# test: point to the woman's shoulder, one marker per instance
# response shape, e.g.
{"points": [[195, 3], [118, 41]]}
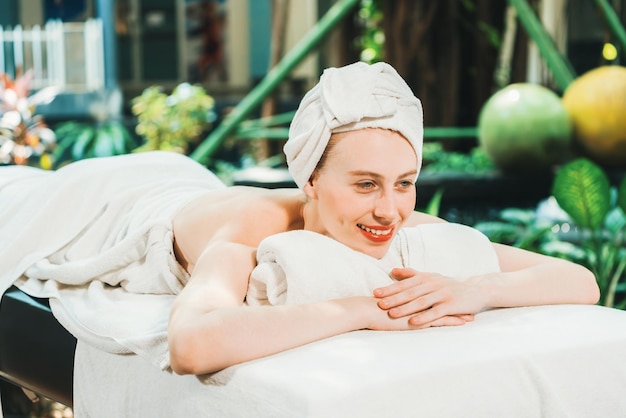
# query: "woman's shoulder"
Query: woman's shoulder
{"points": [[239, 214]]}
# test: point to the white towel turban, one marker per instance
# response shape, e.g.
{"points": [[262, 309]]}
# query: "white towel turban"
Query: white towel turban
{"points": [[353, 97]]}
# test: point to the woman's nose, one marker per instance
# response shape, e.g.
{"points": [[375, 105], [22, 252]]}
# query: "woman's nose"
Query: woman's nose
{"points": [[385, 206]]}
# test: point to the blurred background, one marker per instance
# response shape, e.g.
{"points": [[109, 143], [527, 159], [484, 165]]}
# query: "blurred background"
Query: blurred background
{"points": [[524, 100]]}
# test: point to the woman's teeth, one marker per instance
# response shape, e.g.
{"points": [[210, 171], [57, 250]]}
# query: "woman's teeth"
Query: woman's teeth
{"points": [[375, 231]]}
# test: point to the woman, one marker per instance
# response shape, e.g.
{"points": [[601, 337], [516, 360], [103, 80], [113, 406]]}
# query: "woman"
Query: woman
{"points": [[355, 152]]}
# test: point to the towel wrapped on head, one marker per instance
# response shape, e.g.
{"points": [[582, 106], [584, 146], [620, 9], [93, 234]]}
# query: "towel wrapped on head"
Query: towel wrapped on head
{"points": [[349, 98]]}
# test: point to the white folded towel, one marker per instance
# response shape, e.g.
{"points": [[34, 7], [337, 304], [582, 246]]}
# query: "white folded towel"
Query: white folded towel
{"points": [[303, 266]]}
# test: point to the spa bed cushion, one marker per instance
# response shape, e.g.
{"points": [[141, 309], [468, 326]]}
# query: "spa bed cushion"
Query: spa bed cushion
{"points": [[546, 361]]}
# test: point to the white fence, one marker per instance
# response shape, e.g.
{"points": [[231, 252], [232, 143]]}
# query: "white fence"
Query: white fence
{"points": [[69, 56]]}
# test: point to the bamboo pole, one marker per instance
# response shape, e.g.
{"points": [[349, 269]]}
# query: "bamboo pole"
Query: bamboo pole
{"points": [[559, 66], [613, 21]]}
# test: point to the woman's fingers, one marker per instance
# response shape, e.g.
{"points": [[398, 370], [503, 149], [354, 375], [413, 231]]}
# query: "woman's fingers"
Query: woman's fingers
{"points": [[437, 316], [446, 321], [407, 279], [408, 303]]}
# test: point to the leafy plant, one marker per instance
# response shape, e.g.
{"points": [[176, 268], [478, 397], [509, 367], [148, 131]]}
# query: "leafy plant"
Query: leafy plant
{"points": [[584, 192], [105, 136], [437, 160], [172, 122], [79, 140], [518, 227], [371, 42]]}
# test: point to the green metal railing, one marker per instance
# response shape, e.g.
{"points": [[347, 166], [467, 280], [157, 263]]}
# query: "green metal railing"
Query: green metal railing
{"points": [[265, 128]]}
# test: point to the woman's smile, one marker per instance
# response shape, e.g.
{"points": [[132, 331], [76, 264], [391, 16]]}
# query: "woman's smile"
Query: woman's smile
{"points": [[377, 233]]}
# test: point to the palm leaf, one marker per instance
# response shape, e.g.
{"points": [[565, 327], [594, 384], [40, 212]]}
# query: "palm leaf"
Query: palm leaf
{"points": [[582, 190]]}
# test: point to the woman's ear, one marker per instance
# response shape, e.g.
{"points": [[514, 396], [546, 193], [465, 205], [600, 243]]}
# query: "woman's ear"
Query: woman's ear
{"points": [[310, 188]]}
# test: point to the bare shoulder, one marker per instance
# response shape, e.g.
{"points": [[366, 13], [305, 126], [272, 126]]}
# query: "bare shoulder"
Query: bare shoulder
{"points": [[239, 214], [419, 218]]}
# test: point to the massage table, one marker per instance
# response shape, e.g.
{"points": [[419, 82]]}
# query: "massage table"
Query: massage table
{"points": [[549, 361], [522, 362]]}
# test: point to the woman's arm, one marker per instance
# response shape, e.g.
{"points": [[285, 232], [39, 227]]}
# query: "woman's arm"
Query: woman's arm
{"points": [[530, 278], [526, 279], [210, 328]]}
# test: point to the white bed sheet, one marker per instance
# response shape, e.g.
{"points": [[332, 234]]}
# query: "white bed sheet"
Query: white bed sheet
{"points": [[547, 361]]}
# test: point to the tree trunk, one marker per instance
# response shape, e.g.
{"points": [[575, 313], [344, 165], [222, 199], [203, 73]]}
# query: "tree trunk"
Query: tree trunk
{"points": [[447, 51]]}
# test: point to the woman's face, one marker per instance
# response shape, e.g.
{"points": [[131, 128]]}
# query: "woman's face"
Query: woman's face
{"points": [[365, 191]]}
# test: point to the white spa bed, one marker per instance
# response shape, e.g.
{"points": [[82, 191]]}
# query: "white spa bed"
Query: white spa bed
{"points": [[108, 269], [547, 361]]}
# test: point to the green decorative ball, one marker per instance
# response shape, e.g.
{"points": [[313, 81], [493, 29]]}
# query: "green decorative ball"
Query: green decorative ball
{"points": [[525, 127]]}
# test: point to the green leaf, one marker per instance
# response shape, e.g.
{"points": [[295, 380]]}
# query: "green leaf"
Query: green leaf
{"points": [[81, 145], [527, 241], [518, 216], [103, 144], [583, 190], [564, 249], [499, 231], [117, 137], [435, 203], [621, 195], [615, 221]]}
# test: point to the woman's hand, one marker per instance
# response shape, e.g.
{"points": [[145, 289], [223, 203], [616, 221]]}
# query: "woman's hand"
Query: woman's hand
{"points": [[430, 299]]}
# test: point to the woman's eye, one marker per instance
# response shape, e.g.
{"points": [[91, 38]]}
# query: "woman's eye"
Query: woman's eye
{"points": [[406, 184], [366, 185]]}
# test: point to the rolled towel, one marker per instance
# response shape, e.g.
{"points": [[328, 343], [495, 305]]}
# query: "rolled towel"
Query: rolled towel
{"points": [[349, 98], [304, 267]]}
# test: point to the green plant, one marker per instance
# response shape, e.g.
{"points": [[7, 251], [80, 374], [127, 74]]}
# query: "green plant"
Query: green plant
{"points": [[584, 192], [105, 136], [79, 140], [520, 228], [437, 160], [172, 122], [371, 42]]}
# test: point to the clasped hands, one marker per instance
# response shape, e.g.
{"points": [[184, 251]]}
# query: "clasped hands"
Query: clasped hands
{"points": [[429, 299]]}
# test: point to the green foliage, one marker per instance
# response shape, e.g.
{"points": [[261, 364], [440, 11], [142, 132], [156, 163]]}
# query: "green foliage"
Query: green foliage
{"points": [[437, 160], [79, 140], [371, 43], [172, 122], [434, 205], [621, 196], [594, 235], [517, 227], [583, 190]]}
